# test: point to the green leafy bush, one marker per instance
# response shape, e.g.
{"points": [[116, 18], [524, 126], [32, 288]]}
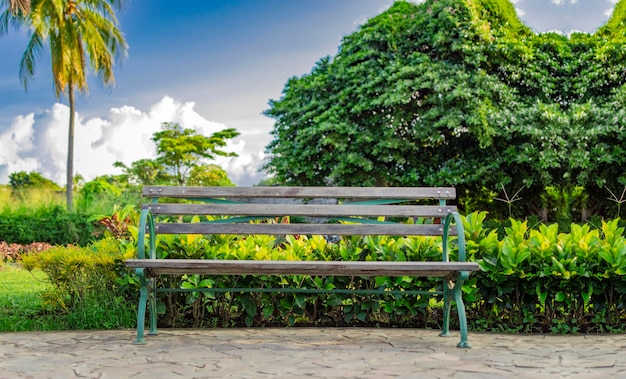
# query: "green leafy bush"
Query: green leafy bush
{"points": [[47, 223], [540, 280], [531, 280], [225, 308]]}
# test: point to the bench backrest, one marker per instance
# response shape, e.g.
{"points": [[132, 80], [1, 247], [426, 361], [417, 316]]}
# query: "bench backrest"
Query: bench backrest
{"points": [[359, 207]]}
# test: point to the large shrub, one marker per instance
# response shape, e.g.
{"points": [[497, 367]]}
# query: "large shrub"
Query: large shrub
{"points": [[87, 290]]}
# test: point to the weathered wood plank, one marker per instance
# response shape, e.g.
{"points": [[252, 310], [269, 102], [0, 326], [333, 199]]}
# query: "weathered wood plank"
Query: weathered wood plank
{"points": [[319, 268], [308, 210], [412, 193], [304, 229]]}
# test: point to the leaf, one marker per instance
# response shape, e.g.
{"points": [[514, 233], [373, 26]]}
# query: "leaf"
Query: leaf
{"points": [[361, 316], [249, 305], [268, 311], [300, 300], [543, 295]]}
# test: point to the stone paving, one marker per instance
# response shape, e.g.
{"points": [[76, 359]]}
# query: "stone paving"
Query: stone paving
{"points": [[308, 352]]}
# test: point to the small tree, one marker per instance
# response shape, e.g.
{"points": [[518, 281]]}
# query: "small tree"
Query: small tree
{"points": [[179, 150], [181, 156]]}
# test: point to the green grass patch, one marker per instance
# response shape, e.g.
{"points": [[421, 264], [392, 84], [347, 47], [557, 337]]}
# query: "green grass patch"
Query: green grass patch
{"points": [[21, 302], [26, 304], [20, 288]]}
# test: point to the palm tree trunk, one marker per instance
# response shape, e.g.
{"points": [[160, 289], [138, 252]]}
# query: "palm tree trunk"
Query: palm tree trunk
{"points": [[70, 151]]}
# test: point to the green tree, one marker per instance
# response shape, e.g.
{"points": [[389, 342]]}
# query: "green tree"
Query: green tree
{"points": [[76, 33], [461, 92], [100, 187], [102, 194], [25, 180], [179, 150], [22, 182], [408, 99]]}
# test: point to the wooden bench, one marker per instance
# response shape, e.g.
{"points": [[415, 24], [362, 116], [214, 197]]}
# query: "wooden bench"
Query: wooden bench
{"points": [[362, 207]]}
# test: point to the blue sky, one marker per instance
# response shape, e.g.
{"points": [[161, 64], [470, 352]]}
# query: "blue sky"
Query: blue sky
{"points": [[207, 64]]}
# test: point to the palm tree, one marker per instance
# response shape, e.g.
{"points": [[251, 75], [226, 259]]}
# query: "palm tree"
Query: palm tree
{"points": [[76, 33]]}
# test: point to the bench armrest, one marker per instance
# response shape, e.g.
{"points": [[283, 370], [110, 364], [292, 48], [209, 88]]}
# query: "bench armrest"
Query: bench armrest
{"points": [[458, 223], [146, 224]]}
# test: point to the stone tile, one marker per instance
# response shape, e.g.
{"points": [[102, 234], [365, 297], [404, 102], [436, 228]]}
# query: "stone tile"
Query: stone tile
{"points": [[309, 352]]}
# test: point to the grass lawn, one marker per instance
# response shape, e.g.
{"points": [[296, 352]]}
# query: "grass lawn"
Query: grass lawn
{"points": [[21, 304]]}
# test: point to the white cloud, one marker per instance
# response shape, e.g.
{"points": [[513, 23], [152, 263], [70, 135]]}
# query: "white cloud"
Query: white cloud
{"points": [[38, 142], [244, 169], [608, 12]]}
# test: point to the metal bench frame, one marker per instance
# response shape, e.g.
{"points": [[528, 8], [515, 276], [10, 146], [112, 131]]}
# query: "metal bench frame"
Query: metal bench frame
{"points": [[361, 202]]}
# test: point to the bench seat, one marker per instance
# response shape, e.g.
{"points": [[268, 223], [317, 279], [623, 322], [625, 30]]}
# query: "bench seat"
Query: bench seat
{"points": [[155, 267]]}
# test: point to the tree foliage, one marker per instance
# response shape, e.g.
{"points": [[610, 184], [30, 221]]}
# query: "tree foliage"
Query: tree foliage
{"points": [[22, 180], [458, 92]]}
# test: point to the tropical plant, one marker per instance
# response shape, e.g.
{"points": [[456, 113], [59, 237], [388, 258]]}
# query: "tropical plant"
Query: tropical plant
{"points": [[76, 33]]}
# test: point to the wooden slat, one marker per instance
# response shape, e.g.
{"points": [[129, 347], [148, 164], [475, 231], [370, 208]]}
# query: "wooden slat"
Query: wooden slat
{"points": [[302, 192], [303, 229], [308, 210], [320, 268]]}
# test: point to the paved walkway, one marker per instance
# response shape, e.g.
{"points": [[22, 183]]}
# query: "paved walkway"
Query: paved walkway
{"points": [[308, 352]]}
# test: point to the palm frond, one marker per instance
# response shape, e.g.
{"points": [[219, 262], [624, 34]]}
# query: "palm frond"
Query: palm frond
{"points": [[27, 65], [19, 6]]}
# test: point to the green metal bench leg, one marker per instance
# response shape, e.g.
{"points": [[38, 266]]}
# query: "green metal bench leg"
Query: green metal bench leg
{"points": [[445, 331], [153, 309], [458, 298], [141, 312], [457, 293]]}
